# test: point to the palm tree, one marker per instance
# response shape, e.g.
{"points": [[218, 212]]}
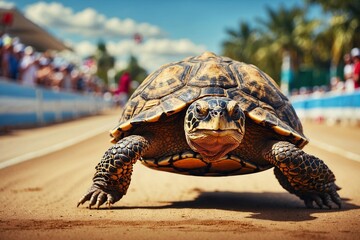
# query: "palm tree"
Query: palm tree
{"points": [[349, 7], [289, 35], [343, 32], [343, 28], [290, 31], [242, 43], [246, 44], [104, 62]]}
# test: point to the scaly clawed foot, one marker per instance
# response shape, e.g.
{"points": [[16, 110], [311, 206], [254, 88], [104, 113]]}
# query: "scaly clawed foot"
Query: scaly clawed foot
{"points": [[98, 196]]}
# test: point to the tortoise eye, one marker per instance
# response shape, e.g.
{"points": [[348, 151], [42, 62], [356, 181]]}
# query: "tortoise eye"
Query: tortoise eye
{"points": [[201, 111]]}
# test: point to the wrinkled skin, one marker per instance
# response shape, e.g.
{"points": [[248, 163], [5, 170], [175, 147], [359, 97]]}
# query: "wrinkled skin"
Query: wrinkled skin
{"points": [[214, 127]]}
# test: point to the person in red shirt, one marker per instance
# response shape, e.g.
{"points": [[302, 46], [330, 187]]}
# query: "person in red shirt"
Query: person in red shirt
{"points": [[123, 88], [355, 54]]}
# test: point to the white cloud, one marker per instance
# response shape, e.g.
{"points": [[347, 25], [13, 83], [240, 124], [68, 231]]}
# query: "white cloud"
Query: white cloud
{"points": [[6, 4], [156, 52], [84, 48], [171, 47], [164, 47], [87, 22], [151, 54]]}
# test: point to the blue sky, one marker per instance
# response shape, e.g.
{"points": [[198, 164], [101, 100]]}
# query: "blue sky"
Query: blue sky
{"points": [[171, 29]]}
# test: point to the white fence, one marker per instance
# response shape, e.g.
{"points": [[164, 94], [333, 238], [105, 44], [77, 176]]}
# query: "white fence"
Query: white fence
{"points": [[28, 106]]}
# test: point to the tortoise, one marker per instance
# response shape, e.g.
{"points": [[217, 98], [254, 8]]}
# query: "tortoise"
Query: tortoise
{"points": [[211, 116]]}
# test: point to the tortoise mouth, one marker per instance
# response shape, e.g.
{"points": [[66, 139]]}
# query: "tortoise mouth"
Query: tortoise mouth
{"points": [[213, 145]]}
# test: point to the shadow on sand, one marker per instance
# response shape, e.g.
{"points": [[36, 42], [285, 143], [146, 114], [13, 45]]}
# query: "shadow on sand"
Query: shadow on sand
{"points": [[273, 206]]}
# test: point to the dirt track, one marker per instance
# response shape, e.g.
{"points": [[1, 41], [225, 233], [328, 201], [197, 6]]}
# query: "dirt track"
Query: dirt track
{"points": [[39, 197]]}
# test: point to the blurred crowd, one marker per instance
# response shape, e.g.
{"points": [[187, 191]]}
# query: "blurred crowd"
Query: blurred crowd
{"points": [[20, 63], [348, 82], [351, 72]]}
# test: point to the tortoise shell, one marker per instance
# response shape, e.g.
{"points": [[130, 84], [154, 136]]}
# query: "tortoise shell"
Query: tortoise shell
{"points": [[174, 86]]}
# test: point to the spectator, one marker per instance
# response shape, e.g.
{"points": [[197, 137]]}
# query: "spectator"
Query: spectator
{"points": [[28, 68], [79, 80], [44, 73], [123, 88], [57, 78], [15, 65], [5, 60], [47, 69], [355, 53], [336, 84], [348, 73], [1, 56], [66, 80]]}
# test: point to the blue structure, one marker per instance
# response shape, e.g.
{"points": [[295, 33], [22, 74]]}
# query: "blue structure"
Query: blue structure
{"points": [[28, 106], [331, 106], [287, 74]]}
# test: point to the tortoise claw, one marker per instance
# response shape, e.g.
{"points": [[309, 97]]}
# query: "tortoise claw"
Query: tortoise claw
{"points": [[335, 197], [100, 199], [322, 198], [318, 200], [97, 197], [327, 200], [85, 197]]}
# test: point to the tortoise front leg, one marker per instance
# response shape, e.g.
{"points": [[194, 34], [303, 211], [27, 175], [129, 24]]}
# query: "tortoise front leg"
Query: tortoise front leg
{"points": [[304, 175], [113, 173]]}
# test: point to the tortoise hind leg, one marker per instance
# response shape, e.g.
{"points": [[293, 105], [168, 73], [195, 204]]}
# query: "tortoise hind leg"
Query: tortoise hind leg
{"points": [[303, 175], [113, 173]]}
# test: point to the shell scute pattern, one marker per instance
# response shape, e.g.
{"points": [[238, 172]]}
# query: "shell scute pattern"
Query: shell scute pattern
{"points": [[287, 114], [149, 94], [259, 87], [173, 105], [212, 75], [139, 104], [166, 82], [246, 101], [188, 94], [212, 91], [234, 67], [132, 108], [174, 86], [147, 81]]}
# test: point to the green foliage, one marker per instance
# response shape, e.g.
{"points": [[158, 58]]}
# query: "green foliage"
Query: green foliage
{"points": [[234, 47], [312, 43], [284, 30], [344, 26], [104, 62], [349, 7]]}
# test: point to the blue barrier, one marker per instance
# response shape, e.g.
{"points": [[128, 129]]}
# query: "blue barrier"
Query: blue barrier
{"points": [[29, 106], [332, 106]]}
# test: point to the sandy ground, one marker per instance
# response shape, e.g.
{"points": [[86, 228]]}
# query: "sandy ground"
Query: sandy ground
{"points": [[39, 196]]}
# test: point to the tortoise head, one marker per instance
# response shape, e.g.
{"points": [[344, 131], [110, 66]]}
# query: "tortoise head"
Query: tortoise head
{"points": [[214, 126]]}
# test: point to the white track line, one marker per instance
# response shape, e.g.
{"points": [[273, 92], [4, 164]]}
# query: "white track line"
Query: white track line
{"points": [[53, 148], [70, 142], [336, 150]]}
